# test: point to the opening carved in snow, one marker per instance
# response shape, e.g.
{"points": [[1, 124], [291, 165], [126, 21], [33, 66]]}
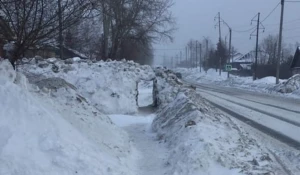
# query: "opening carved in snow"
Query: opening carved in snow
{"points": [[145, 93]]}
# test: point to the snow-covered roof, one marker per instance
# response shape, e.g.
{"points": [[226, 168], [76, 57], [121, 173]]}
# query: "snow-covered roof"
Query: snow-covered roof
{"points": [[244, 58], [249, 57]]}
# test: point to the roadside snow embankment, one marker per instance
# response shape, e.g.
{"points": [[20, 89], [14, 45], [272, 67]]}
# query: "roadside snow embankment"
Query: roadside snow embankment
{"points": [[56, 132], [202, 141], [110, 86], [292, 85], [265, 85]]}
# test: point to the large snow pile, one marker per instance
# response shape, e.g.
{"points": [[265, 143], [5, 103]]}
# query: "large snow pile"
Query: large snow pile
{"points": [[201, 140], [292, 85], [56, 132], [109, 86]]}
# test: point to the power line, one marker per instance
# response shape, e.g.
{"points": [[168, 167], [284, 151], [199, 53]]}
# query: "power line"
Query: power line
{"points": [[170, 49], [270, 12], [287, 22], [243, 31]]}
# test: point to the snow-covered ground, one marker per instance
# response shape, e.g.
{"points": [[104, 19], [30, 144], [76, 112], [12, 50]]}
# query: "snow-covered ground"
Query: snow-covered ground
{"points": [[265, 85], [202, 140], [82, 117], [56, 132]]}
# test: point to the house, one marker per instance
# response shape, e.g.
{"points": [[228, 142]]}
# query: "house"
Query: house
{"points": [[242, 62], [295, 66], [245, 62]]}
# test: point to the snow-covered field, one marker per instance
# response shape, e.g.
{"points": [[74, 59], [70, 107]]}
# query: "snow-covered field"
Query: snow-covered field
{"points": [[264, 85]]}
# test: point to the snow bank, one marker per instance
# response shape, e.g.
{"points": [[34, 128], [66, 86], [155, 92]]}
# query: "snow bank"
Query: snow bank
{"points": [[56, 132], [265, 85], [99, 82], [202, 141], [292, 85]]}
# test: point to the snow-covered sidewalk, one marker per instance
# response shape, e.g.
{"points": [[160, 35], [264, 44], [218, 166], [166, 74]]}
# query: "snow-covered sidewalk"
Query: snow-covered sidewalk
{"points": [[152, 153]]}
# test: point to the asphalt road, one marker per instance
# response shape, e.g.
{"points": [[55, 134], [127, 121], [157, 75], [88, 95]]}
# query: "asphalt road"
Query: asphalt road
{"points": [[274, 115]]}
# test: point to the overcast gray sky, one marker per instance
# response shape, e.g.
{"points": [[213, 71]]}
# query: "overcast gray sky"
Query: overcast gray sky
{"points": [[195, 19]]}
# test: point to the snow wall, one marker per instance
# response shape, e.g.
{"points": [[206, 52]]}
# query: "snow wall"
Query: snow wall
{"points": [[109, 86], [202, 141]]}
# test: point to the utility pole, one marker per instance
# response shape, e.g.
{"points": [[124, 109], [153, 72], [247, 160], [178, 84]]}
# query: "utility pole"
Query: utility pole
{"points": [[186, 56], [256, 50], [200, 57], [230, 33], [206, 54], [180, 62], [196, 54], [177, 61], [190, 55], [60, 30], [220, 41], [279, 43]]}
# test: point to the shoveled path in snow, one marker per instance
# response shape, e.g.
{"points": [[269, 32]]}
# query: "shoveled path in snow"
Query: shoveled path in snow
{"points": [[152, 153]]}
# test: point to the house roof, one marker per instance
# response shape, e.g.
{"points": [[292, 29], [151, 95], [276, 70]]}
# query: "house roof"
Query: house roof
{"points": [[249, 57], [296, 60]]}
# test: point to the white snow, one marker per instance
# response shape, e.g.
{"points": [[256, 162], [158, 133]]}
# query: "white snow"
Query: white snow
{"points": [[42, 133], [265, 85], [268, 121], [76, 59], [110, 86], [62, 127], [145, 97], [152, 153], [292, 85], [202, 140]]}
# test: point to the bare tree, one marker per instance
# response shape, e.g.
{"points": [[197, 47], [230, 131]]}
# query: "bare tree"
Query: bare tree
{"points": [[139, 21], [35, 21], [268, 48]]}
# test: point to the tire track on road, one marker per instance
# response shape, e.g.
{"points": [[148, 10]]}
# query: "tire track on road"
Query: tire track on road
{"points": [[258, 110], [228, 92], [273, 133]]}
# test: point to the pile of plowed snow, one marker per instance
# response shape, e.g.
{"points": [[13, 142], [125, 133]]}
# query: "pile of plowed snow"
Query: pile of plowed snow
{"points": [[292, 85], [202, 140], [110, 86], [54, 130]]}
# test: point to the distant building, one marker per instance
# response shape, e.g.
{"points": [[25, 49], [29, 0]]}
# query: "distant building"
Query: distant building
{"points": [[295, 66], [245, 62]]}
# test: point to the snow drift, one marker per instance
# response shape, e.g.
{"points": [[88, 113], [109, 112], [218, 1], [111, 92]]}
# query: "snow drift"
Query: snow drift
{"points": [[201, 140], [53, 132], [289, 86], [110, 86]]}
